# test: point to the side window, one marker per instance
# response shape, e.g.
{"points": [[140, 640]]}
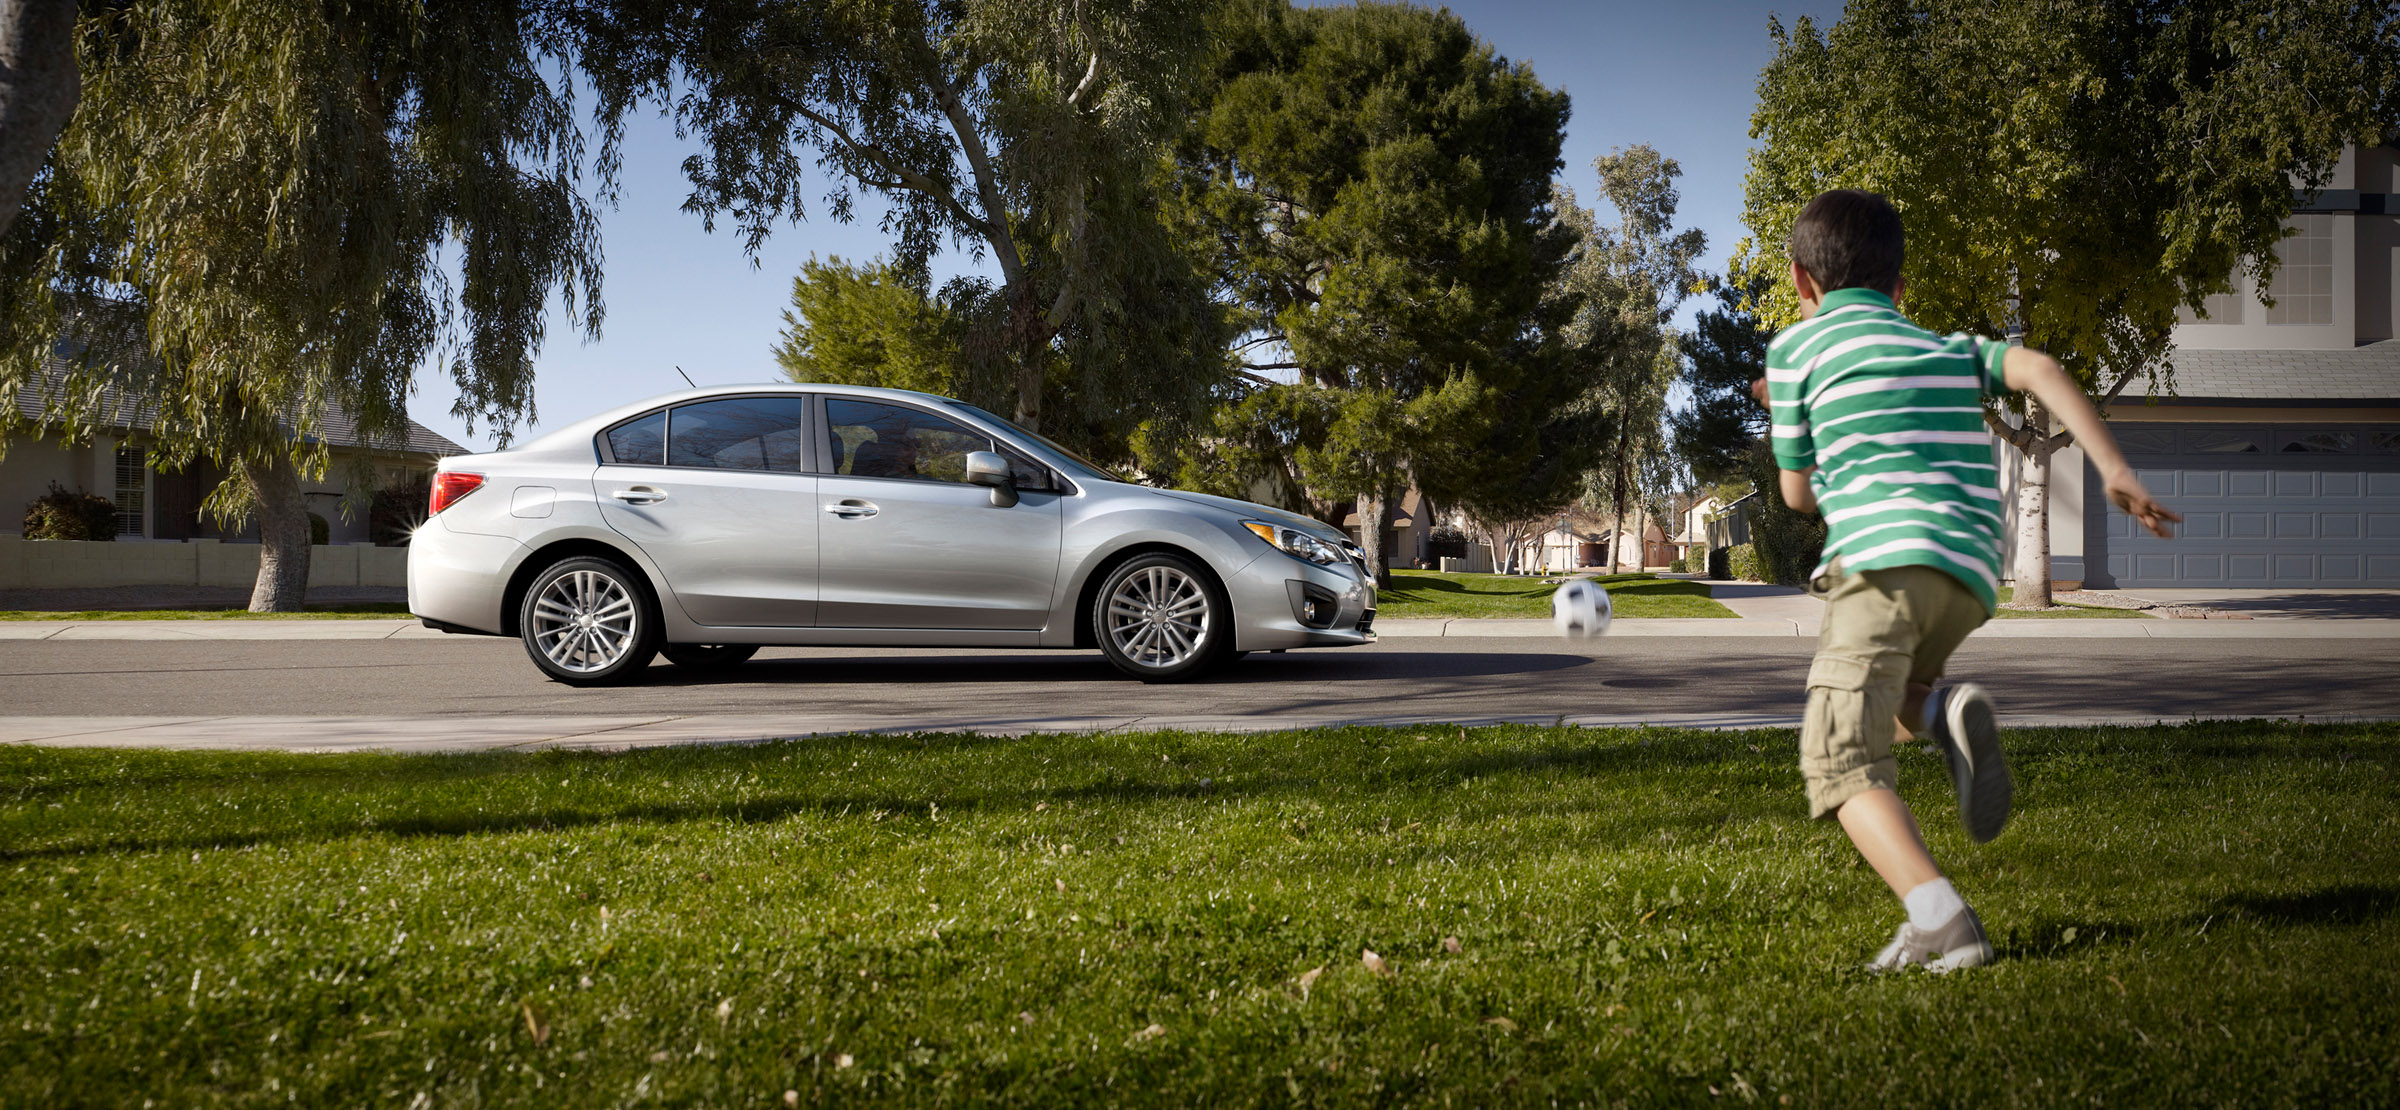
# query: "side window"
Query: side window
{"points": [[741, 433], [874, 440], [1028, 475], [641, 441]]}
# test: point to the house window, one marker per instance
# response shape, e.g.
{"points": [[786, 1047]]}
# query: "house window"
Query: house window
{"points": [[2303, 287], [133, 492], [2222, 308]]}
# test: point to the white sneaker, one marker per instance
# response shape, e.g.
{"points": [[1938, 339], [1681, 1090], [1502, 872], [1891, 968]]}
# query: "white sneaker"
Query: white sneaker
{"points": [[1960, 943], [1969, 734]]}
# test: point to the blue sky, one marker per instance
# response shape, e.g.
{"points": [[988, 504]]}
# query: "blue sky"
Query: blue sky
{"points": [[1681, 77]]}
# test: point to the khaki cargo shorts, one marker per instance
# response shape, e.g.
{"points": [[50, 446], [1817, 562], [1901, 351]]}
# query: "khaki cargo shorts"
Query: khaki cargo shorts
{"points": [[1884, 629]]}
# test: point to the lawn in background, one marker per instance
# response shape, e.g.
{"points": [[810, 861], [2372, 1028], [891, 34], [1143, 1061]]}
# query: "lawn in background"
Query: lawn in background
{"points": [[2064, 610], [327, 611], [2191, 914], [1427, 593]]}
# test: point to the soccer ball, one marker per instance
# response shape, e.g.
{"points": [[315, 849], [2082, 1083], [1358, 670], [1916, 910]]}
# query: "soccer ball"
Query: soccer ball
{"points": [[1581, 609]]}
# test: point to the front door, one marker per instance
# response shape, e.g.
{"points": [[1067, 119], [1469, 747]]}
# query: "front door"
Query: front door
{"points": [[905, 542], [720, 495]]}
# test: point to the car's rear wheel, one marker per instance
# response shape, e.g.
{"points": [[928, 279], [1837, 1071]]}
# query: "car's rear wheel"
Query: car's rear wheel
{"points": [[589, 622], [708, 657], [1162, 618]]}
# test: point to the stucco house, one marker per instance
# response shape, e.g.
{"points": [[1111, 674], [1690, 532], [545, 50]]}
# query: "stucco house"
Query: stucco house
{"points": [[166, 506], [2280, 443]]}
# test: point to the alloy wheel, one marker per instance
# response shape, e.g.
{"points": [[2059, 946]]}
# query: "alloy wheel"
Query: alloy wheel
{"points": [[1159, 617], [585, 621]]}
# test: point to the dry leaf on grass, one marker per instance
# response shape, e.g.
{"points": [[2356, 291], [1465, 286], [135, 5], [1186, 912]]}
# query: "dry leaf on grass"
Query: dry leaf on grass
{"points": [[536, 1026], [1374, 962], [1309, 977], [843, 1060], [724, 1011], [791, 1097], [1504, 1024], [1451, 945], [1153, 1030]]}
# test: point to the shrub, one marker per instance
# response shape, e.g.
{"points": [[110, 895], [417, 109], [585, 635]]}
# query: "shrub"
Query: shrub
{"points": [[1788, 542], [1742, 561], [396, 511], [63, 515]]}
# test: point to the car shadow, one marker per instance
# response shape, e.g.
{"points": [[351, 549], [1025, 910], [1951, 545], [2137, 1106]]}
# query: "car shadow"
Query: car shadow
{"points": [[1089, 667]]}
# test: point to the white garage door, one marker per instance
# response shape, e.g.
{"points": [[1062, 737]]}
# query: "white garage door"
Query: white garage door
{"points": [[2263, 505]]}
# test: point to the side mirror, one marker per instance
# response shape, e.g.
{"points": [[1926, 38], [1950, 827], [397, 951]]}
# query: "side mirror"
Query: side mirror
{"points": [[987, 468]]}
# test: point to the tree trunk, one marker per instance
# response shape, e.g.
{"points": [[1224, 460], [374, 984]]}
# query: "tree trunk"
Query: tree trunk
{"points": [[282, 536], [39, 86], [2032, 570], [1371, 509]]}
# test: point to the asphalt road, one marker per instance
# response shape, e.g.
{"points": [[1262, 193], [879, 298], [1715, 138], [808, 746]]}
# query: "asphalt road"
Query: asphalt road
{"points": [[1686, 680]]}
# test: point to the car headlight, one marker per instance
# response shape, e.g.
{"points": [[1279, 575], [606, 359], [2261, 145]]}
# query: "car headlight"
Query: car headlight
{"points": [[1296, 543]]}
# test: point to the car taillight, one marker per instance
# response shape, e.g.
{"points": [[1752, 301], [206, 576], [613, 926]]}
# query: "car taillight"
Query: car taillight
{"points": [[450, 485]]}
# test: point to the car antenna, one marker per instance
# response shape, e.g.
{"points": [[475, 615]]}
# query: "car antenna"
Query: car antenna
{"points": [[687, 378]]}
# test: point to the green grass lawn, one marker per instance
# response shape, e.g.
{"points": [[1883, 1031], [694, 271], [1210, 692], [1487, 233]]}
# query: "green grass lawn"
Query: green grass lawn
{"points": [[1427, 593], [2192, 914], [332, 611], [2076, 611]]}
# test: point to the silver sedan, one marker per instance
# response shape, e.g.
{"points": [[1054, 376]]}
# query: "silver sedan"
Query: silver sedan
{"points": [[705, 524]]}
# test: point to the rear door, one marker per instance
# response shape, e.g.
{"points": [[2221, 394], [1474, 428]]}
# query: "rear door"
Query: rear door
{"points": [[905, 542], [722, 495]]}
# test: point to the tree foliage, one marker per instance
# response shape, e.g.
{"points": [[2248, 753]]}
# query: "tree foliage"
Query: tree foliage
{"points": [[1726, 351], [240, 231], [1372, 183], [867, 325], [1022, 131]]}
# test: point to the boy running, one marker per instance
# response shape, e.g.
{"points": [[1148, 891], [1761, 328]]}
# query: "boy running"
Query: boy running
{"points": [[1880, 423]]}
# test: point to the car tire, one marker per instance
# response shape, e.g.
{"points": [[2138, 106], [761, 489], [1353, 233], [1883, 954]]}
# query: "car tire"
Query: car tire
{"points": [[589, 621], [1162, 617], [708, 657]]}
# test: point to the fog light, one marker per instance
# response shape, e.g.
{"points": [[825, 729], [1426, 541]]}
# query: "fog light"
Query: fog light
{"points": [[1312, 611]]}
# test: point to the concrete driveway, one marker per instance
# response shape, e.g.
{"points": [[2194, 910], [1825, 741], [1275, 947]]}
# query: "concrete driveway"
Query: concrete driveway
{"points": [[2281, 604]]}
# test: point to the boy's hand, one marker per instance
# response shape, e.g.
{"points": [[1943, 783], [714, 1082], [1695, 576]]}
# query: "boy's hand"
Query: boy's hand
{"points": [[1758, 389], [2130, 497]]}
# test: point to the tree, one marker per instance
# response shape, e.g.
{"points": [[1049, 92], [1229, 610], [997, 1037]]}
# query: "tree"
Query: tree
{"points": [[2070, 170], [1726, 351], [868, 326], [239, 233], [1373, 184], [38, 90], [1629, 279], [1026, 131]]}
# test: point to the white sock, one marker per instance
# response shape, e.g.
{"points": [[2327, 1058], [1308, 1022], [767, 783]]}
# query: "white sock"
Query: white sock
{"points": [[1932, 905]]}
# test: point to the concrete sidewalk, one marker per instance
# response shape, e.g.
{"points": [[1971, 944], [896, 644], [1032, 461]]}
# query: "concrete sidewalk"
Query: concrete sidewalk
{"points": [[530, 732]]}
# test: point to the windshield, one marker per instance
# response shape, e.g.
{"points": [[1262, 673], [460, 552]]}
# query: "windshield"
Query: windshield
{"points": [[1075, 465]]}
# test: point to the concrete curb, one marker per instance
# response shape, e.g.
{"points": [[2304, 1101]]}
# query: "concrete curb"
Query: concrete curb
{"points": [[427, 735], [1630, 628]]}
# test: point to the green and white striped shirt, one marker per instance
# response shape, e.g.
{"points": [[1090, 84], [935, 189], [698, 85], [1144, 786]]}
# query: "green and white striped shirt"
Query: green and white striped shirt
{"points": [[1891, 416]]}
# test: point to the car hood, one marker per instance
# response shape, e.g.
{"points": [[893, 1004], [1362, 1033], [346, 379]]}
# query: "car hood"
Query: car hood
{"points": [[1256, 511]]}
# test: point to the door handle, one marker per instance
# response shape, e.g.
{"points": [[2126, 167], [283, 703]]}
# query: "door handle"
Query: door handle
{"points": [[853, 509], [640, 495]]}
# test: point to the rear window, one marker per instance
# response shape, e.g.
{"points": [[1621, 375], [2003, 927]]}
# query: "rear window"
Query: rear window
{"points": [[641, 441], [741, 433]]}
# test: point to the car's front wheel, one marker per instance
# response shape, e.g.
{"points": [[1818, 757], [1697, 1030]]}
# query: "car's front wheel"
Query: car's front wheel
{"points": [[708, 657], [1162, 618], [588, 622]]}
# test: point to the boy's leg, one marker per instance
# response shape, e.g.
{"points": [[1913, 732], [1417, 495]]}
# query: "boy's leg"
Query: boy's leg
{"points": [[1945, 613], [1865, 656]]}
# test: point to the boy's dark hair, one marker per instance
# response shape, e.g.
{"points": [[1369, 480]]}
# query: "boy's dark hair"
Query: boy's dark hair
{"points": [[1850, 239]]}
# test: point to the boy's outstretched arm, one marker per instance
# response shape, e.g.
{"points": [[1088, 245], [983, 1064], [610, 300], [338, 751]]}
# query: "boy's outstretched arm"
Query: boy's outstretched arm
{"points": [[2030, 371]]}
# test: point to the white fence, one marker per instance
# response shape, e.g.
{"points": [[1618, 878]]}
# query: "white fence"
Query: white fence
{"points": [[43, 564]]}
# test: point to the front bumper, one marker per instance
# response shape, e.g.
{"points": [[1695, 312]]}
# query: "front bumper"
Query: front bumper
{"points": [[1272, 600]]}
